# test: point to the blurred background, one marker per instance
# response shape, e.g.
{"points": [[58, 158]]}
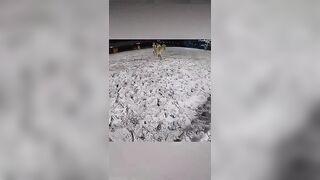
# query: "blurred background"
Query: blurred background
{"points": [[266, 90], [53, 90], [53, 85]]}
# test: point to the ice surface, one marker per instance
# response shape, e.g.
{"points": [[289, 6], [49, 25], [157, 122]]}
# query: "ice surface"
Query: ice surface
{"points": [[160, 100]]}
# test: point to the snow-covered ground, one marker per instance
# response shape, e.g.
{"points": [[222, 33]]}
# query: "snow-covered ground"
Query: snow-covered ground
{"points": [[160, 100]]}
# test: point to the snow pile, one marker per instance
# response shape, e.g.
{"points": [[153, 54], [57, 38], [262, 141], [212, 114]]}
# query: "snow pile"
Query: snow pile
{"points": [[160, 100]]}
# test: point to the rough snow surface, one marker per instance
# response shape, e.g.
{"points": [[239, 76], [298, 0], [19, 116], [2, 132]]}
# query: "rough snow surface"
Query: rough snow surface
{"points": [[160, 100]]}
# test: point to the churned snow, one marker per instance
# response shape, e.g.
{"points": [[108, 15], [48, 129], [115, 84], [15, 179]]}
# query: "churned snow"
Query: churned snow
{"points": [[160, 100]]}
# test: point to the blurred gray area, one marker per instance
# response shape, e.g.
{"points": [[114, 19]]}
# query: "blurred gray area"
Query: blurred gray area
{"points": [[161, 1], [53, 90], [177, 19], [53, 86], [267, 90], [160, 161]]}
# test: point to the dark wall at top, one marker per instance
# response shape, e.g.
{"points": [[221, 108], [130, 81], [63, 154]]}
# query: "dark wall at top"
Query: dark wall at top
{"points": [[126, 45]]}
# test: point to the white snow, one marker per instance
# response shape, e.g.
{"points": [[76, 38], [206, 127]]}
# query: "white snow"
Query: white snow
{"points": [[157, 100]]}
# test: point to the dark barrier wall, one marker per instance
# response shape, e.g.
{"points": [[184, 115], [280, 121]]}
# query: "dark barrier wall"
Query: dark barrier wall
{"points": [[127, 45]]}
